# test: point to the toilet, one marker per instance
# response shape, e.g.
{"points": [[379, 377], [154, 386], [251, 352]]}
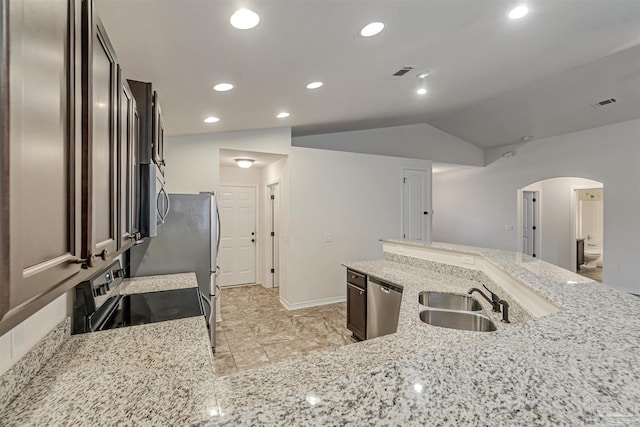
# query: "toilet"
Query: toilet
{"points": [[591, 256]]}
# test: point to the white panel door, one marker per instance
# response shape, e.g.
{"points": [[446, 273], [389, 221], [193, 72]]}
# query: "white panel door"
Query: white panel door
{"points": [[237, 256], [416, 220], [529, 222]]}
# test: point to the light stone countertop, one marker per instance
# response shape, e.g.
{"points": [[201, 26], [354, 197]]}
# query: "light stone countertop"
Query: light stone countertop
{"points": [[146, 375], [578, 366]]}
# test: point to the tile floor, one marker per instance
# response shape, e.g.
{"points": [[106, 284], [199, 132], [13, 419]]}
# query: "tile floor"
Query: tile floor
{"points": [[256, 330], [595, 274]]}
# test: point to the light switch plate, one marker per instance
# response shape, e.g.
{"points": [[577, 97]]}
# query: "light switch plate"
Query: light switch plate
{"points": [[328, 237]]}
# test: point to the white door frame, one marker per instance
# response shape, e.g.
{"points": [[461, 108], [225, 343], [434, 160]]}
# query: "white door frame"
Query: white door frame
{"points": [[574, 216], [271, 280], [256, 227], [426, 234]]}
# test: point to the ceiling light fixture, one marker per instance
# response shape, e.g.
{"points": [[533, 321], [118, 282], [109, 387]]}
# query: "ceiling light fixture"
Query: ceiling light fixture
{"points": [[314, 85], [283, 115], [244, 163], [211, 119], [244, 19], [372, 29], [518, 12], [422, 83], [223, 87]]}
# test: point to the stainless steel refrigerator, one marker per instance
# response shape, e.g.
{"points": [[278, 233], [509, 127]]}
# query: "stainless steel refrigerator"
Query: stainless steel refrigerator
{"points": [[188, 240]]}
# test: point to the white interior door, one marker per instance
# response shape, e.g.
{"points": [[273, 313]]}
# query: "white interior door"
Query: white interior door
{"points": [[237, 256], [416, 215], [529, 223]]}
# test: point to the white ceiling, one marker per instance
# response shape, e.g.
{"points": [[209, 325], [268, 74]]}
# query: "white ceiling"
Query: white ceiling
{"points": [[493, 79], [228, 158]]}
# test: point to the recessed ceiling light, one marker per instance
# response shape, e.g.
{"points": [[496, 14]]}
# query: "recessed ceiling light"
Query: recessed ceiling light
{"points": [[211, 119], [314, 85], [223, 87], [526, 138], [244, 19], [518, 12], [421, 91], [283, 115], [372, 29]]}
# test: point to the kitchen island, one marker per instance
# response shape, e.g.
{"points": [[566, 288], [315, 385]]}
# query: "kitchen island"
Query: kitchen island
{"points": [[578, 365], [152, 374]]}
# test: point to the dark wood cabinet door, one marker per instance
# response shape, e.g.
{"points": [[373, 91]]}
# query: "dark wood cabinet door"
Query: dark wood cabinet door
{"points": [[40, 123], [357, 311], [128, 170], [100, 81]]}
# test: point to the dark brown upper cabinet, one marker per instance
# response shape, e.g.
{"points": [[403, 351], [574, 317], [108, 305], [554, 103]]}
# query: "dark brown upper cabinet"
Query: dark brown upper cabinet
{"points": [[129, 170], [100, 136], [151, 126], [40, 143]]}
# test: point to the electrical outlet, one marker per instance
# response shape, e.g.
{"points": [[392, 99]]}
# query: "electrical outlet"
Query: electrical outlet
{"points": [[468, 260], [328, 237], [509, 227]]}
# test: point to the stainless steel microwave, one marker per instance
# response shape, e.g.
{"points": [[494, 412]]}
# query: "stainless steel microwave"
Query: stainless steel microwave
{"points": [[155, 200]]}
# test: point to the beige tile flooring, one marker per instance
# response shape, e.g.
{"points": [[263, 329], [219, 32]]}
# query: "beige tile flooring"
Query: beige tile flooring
{"points": [[256, 330], [595, 274]]}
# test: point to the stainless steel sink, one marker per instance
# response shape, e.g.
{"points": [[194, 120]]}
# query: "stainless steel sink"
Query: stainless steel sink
{"points": [[457, 320], [448, 301]]}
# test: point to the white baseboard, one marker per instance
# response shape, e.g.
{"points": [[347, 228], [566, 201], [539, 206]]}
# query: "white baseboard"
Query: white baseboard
{"points": [[312, 303]]}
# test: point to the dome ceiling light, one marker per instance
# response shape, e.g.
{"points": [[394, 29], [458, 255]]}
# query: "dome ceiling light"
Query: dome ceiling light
{"points": [[244, 163]]}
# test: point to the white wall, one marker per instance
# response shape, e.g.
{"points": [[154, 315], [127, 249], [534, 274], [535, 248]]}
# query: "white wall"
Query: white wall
{"points": [[193, 161], [474, 206], [18, 341], [419, 141], [557, 221], [354, 197]]}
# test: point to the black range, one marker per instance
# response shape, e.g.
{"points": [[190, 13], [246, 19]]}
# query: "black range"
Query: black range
{"points": [[99, 306]]}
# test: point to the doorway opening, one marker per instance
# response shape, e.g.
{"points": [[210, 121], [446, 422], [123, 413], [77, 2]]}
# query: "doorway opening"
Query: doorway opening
{"points": [[558, 232], [588, 208]]}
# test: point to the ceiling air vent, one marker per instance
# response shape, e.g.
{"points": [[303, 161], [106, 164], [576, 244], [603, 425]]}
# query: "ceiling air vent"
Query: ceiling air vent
{"points": [[403, 71], [604, 103]]}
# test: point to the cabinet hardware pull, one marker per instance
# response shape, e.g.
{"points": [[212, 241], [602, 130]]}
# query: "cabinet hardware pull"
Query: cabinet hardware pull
{"points": [[89, 261]]}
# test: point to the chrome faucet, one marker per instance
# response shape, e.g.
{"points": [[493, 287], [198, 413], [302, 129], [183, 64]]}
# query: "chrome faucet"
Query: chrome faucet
{"points": [[495, 302]]}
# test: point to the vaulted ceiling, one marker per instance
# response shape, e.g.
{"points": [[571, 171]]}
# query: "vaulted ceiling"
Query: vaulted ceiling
{"points": [[493, 80]]}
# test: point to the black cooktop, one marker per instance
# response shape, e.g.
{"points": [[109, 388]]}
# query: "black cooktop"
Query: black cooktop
{"points": [[152, 307]]}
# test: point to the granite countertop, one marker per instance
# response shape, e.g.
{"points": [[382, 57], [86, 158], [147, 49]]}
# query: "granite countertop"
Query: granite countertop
{"points": [[578, 366], [154, 374]]}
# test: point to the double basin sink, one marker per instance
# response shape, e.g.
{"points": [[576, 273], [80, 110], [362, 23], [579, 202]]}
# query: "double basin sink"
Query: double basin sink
{"points": [[453, 311]]}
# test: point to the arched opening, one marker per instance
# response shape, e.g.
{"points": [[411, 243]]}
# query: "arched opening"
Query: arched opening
{"points": [[561, 221]]}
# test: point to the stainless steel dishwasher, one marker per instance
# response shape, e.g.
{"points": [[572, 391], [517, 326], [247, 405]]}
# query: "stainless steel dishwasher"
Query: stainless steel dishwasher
{"points": [[383, 307]]}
